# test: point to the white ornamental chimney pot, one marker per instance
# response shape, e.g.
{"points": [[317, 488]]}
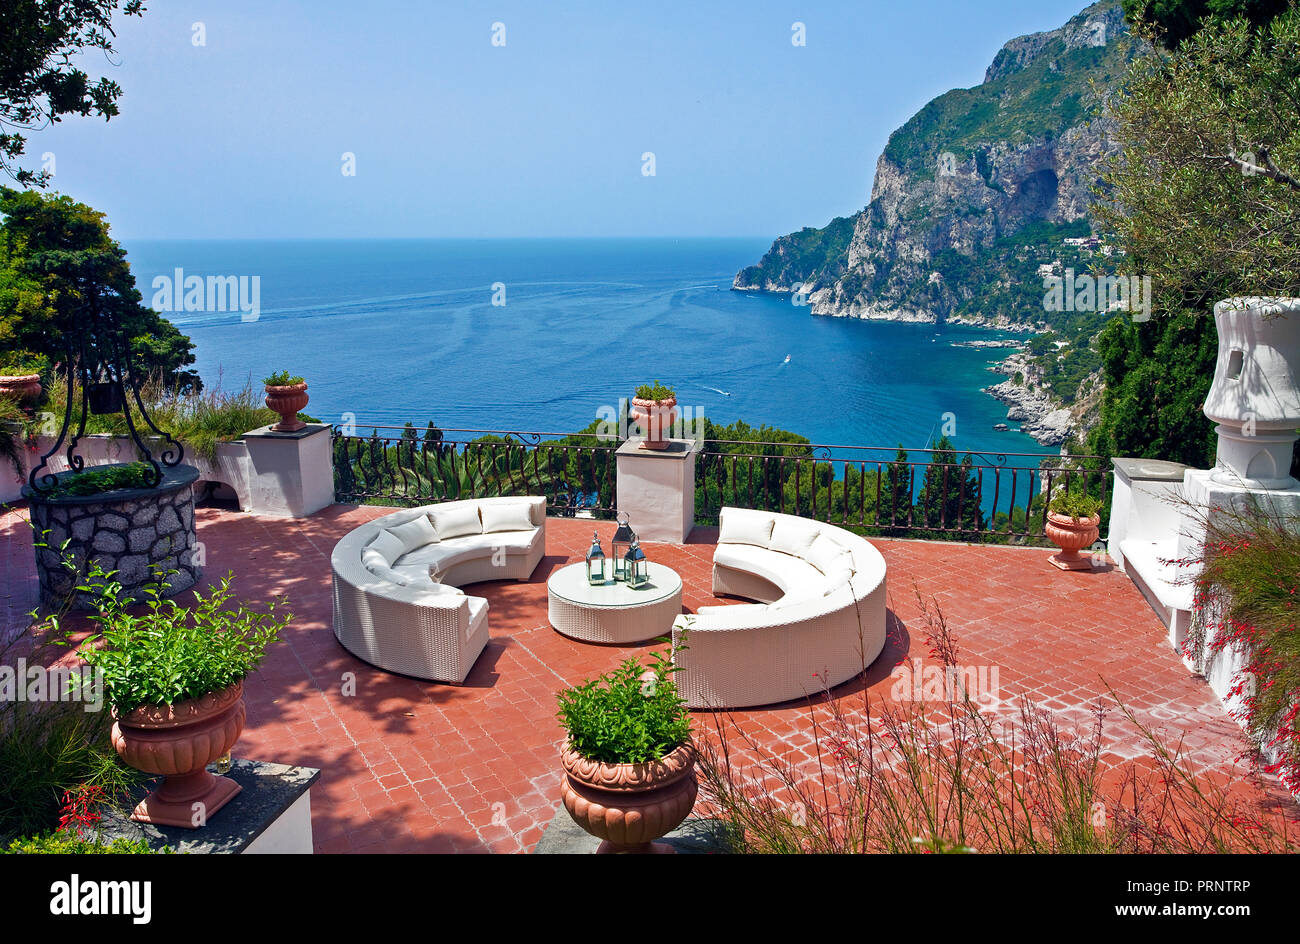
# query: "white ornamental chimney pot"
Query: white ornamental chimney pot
{"points": [[1254, 398]]}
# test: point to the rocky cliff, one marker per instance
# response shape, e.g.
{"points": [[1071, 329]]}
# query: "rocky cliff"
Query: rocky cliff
{"points": [[957, 184]]}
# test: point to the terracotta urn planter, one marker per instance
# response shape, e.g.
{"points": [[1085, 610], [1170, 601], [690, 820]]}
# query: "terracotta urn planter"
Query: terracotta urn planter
{"points": [[1071, 535], [288, 401], [656, 418], [25, 388], [179, 741], [628, 806]]}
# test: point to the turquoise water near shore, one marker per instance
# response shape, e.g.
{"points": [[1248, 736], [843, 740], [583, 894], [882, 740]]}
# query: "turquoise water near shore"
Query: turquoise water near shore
{"points": [[397, 330]]}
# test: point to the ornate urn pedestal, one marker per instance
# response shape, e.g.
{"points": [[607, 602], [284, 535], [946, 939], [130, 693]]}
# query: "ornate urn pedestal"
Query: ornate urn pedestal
{"points": [[656, 418], [1255, 399], [179, 741], [1071, 535], [629, 806]]}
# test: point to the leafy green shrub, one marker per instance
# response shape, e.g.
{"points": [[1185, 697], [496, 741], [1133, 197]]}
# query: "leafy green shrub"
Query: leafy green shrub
{"points": [[46, 748], [67, 843], [107, 478], [170, 653], [1246, 589], [50, 747], [1201, 225], [281, 379], [655, 391], [628, 716], [1074, 502], [12, 428], [19, 363]]}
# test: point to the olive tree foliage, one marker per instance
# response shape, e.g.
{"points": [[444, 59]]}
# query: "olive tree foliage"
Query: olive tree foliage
{"points": [[1203, 196], [1171, 21], [40, 78]]}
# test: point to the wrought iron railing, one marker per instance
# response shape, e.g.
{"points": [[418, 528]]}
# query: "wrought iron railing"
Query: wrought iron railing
{"points": [[872, 490], [395, 465], [877, 490]]}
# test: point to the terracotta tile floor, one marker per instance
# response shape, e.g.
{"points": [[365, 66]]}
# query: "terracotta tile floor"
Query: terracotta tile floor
{"points": [[412, 766]]}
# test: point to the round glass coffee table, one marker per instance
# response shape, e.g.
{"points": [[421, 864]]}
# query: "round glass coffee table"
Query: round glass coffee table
{"points": [[613, 612]]}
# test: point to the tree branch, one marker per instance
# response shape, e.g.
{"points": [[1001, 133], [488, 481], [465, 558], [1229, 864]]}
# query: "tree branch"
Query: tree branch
{"points": [[1263, 167]]}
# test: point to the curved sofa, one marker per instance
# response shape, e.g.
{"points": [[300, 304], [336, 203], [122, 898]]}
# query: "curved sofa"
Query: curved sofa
{"points": [[388, 608], [820, 619]]}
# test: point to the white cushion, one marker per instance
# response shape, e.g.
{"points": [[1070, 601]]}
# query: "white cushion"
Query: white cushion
{"points": [[453, 521], [791, 574], [505, 516], [740, 528], [828, 555], [375, 563], [792, 536], [837, 579], [415, 533], [735, 616], [389, 545], [455, 551]]}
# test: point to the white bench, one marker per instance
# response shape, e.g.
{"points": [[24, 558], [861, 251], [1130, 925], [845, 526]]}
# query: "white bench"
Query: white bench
{"points": [[820, 619], [397, 602]]}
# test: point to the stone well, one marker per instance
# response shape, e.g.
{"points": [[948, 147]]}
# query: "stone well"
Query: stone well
{"points": [[135, 532]]}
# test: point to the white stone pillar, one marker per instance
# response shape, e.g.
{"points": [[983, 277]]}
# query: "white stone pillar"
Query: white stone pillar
{"points": [[291, 475], [1143, 505], [656, 489]]}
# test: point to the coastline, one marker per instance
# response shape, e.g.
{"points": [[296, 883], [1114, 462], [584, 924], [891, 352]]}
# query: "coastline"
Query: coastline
{"points": [[1041, 416]]}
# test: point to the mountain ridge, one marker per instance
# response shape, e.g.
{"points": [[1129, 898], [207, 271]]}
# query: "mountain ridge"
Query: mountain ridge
{"points": [[957, 183]]}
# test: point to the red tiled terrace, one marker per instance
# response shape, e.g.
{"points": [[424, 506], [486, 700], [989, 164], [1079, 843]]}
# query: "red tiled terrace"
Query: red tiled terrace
{"points": [[415, 766]]}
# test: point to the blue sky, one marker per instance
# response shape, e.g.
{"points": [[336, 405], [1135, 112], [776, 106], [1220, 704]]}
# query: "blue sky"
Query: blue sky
{"points": [[544, 136]]}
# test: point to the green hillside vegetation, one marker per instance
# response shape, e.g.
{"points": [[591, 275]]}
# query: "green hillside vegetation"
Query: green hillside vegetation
{"points": [[1201, 226], [1039, 101], [800, 256]]}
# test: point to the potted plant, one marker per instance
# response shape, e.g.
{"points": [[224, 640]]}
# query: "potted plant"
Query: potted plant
{"points": [[629, 762], [21, 380], [173, 677], [654, 409], [287, 396], [1073, 522]]}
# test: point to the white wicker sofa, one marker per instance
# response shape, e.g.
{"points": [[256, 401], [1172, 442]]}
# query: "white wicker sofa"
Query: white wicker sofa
{"points": [[820, 620], [390, 611]]}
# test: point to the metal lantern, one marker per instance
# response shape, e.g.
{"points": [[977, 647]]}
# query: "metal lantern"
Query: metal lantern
{"points": [[595, 562], [637, 568], [624, 538]]}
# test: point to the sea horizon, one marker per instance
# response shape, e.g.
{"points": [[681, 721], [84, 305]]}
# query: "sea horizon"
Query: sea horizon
{"points": [[542, 333]]}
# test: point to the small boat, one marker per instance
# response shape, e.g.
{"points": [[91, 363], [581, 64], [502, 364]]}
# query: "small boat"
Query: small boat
{"points": [[1001, 427], [787, 359]]}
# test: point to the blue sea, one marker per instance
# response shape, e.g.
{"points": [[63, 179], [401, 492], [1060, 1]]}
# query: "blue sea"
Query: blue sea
{"points": [[397, 330]]}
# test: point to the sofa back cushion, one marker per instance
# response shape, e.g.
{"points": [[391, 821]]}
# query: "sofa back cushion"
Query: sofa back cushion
{"points": [[828, 555], [456, 520], [739, 526], [417, 532], [793, 536], [505, 516], [377, 564], [388, 545], [837, 579]]}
